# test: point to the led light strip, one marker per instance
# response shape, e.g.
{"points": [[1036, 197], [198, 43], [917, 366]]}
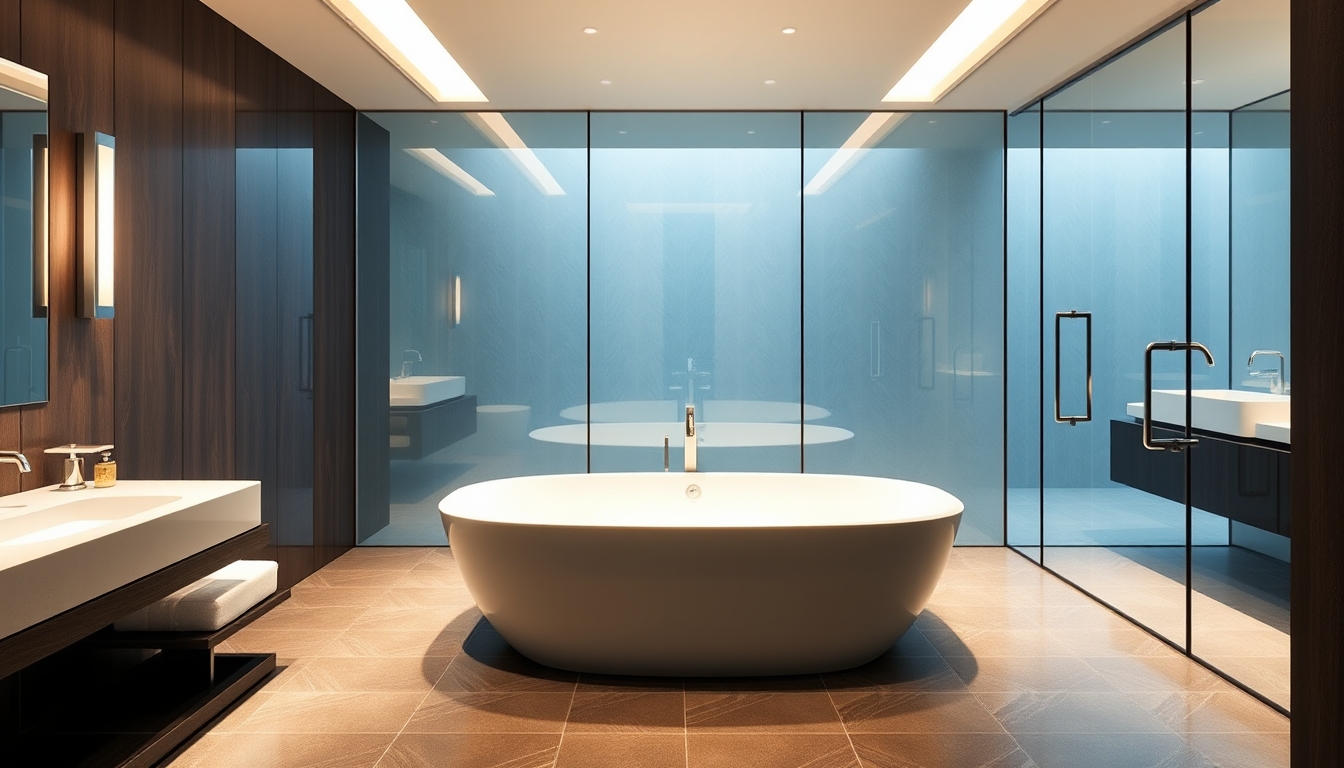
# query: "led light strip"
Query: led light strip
{"points": [[401, 36], [868, 134], [440, 163], [980, 30], [497, 130]]}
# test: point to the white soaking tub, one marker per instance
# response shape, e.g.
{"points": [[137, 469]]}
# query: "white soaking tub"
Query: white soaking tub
{"points": [[701, 574]]}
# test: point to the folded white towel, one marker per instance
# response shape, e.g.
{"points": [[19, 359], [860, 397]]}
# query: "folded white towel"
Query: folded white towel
{"points": [[210, 603]]}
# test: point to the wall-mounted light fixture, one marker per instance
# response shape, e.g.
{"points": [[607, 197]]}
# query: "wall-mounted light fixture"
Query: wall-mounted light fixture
{"points": [[96, 201], [457, 300], [41, 218]]}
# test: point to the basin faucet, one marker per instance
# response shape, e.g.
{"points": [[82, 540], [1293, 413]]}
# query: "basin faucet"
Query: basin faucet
{"points": [[1277, 383], [17, 459], [407, 362], [690, 439]]}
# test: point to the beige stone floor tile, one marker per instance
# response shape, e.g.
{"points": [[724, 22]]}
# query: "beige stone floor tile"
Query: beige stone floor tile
{"points": [[327, 597], [997, 642], [621, 750], [285, 750], [1212, 712], [1028, 673], [1156, 673], [399, 617], [396, 643], [1070, 712], [758, 750], [936, 750], [914, 713], [627, 712], [294, 619], [1244, 750], [367, 674], [1111, 750], [515, 712], [284, 643], [472, 750], [305, 712], [761, 713]]}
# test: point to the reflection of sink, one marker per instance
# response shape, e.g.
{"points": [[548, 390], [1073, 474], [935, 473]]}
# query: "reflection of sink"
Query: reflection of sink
{"points": [[426, 390], [1228, 411], [75, 517]]}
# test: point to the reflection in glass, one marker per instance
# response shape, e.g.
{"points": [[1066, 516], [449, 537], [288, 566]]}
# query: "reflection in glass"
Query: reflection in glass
{"points": [[23, 313], [1024, 342], [903, 312]]}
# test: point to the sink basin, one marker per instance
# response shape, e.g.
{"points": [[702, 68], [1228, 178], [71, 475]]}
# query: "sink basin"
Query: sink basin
{"points": [[60, 549], [1277, 431], [74, 517], [426, 390], [1227, 411]]}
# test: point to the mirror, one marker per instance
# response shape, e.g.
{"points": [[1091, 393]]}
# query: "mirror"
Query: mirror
{"points": [[23, 235]]}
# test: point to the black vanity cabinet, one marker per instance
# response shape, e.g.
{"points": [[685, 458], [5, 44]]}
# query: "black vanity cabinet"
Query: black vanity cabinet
{"points": [[1240, 479]]}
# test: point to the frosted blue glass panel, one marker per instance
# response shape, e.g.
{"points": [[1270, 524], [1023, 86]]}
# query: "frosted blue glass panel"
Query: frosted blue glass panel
{"points": [[695, 280], [1260, 240], [904, 269], [488, 260], [1024, 340]]}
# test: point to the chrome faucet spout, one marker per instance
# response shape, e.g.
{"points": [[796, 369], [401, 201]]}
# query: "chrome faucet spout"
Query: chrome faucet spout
{"points": [[1278, 384], [690, 452], [1207, 354], [17, 459]]}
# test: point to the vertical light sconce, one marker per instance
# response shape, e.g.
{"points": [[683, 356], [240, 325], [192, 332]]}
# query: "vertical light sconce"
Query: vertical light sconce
{"points": [[457, 300], [95, 218], [41, 219]]}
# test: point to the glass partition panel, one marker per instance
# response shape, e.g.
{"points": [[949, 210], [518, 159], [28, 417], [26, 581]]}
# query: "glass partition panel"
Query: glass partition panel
{"points": [[1114, 280], [23, 249], [1239, 601], [1024, 332], [904, 337], [487, 216], [695, 280]]}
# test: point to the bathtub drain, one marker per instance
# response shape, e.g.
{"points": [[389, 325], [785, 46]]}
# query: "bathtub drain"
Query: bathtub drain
{"points": [[693, 491]]}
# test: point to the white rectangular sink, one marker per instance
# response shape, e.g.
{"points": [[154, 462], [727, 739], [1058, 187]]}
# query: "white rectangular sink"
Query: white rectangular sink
{"points": [[1227, 411], [1277, 431], [426, 390], [60, 549]]}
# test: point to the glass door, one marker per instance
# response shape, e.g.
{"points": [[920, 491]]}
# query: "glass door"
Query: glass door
{"points": [[1114, 281]]}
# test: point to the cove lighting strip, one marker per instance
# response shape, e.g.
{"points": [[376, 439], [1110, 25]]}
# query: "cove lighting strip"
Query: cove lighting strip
{"points": [[865, 137], [497, 130], [401, 36], [21, 79], [440, 163], [981, 29]]}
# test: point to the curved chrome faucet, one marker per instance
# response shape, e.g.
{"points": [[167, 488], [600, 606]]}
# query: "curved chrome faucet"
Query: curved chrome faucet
{"points": [[1278, 384], [17, 459], [407, 362]]}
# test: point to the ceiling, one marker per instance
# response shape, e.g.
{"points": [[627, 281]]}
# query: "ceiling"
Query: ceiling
{"points": [[693, 54]]}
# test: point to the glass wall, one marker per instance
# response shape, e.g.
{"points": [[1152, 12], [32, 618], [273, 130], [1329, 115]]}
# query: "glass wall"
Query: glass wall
{"points": [[824, 290], [903, 310], [1163, 181]]}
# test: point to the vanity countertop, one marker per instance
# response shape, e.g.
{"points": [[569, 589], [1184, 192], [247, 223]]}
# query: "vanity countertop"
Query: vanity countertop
{"points": [[62, 548]]}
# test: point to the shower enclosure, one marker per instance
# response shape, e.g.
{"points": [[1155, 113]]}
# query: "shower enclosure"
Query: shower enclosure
{"points": [[1147, 223]]}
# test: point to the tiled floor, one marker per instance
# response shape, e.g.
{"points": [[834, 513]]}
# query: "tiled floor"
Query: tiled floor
{"points": [[388, 663]]}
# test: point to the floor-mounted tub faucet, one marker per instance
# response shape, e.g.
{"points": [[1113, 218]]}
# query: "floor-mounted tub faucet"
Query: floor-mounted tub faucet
{"points": [[17, 459], [690, 439], [1278, 383]]}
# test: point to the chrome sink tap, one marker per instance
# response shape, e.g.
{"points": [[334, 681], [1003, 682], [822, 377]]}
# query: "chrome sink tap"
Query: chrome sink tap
{"points": [[17, 459], [1278, 383], [690, 439], [407, 362]]}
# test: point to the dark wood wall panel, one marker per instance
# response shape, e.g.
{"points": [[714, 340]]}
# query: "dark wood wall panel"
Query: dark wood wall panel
{"points": [[72, 42], [372, 326], [148, 349], [9, 30], [182, 89], [208, 287], [1318, 333], [333, 364]]}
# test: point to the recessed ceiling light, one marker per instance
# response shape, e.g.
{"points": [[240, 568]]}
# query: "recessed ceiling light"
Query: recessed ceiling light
{"points": [[867, 135], [931, 122], [789, 30], [621, 132], [1105, 122], [980, 30], [402, 37], [750, 132], [769, 82], [433, 122], [605, 82], [590, 30], [1197, 82], [440, 163], [495, 128]]}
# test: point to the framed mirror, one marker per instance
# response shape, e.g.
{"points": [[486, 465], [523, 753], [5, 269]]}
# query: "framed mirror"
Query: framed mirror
{"points": [[23, 235]]}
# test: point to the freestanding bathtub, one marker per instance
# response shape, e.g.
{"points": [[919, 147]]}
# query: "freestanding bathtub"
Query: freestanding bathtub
{"points": [[701, 574]]}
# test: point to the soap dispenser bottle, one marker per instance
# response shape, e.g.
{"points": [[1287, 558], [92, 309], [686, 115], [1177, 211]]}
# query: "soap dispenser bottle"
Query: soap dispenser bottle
{"points": [[105, 472]]}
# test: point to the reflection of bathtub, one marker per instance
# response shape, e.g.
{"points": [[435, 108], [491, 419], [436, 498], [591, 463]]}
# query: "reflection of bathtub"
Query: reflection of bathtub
{"points": [[704, 574], [638, 446], [709, 410]]}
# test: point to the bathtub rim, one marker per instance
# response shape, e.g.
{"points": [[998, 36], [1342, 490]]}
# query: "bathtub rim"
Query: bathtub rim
{"points": [[954, 511]]}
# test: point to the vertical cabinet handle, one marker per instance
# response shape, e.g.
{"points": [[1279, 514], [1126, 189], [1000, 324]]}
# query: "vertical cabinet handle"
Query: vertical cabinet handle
{"points": [[1171, 443], [306, 354], [1060, 317]]}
